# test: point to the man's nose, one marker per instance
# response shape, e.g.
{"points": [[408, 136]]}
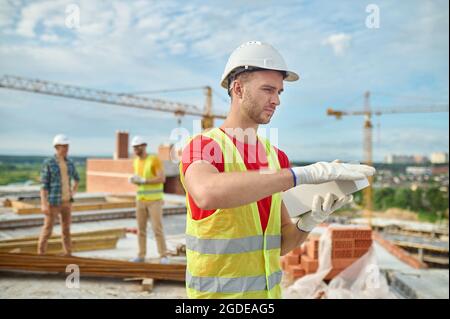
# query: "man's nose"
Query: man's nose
{"points": [[275, 100]]}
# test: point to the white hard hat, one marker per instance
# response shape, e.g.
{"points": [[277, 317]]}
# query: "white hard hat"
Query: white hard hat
{"points": [[256, 54], [138, 140], [60, 139]]}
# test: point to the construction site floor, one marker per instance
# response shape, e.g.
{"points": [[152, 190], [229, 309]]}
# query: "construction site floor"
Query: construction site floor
{"points": [[27, 285], [407, 281]]}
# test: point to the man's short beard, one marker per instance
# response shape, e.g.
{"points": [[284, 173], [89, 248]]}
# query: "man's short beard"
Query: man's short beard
{"points": [[251, 109]]}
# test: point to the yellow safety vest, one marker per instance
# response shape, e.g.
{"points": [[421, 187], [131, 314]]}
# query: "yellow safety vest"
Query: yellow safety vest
{"points": [[228, 255], [150, 192]]}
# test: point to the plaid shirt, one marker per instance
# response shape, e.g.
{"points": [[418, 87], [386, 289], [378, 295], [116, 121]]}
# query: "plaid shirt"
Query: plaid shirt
{"points": [[51, 178]]}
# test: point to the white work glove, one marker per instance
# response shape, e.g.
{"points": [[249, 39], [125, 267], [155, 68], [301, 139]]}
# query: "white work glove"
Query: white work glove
{"points": [[322, 172], [135, 179], [321, 209]]}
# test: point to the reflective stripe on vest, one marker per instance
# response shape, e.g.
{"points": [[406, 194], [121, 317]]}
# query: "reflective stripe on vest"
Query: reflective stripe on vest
{"points": [[156, 191], [232, 285], [232, 246]]}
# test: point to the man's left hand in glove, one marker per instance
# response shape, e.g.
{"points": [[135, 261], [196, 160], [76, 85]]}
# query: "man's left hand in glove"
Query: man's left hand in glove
{"points": [[322, 208]]}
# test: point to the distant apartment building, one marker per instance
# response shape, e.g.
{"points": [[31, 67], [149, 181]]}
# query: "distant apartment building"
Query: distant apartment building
{"points": [[421, 159], [406, 159], [399, 159], [439, 158], [418, 170]]}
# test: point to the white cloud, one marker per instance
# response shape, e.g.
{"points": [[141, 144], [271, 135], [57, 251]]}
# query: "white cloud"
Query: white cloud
{"points": [[338, 42], [153, 22], [177, 48], [49, 38], [8, 12], [33, 13]]}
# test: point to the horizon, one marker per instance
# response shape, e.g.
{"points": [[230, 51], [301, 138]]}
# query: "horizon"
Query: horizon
{"points": [[131, 156]]}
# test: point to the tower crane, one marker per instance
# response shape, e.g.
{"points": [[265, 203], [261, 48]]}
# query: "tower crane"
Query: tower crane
{"points": [[106, 97], [208, 117], [367, 112]]}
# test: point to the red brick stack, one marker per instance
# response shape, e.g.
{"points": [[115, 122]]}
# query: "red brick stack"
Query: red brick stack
{"points": [[348, 245]]}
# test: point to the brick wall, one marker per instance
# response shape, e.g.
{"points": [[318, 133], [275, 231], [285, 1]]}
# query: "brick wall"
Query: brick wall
{"points": [[164, 152], [108, 175], [121, 145], [348, 245]]}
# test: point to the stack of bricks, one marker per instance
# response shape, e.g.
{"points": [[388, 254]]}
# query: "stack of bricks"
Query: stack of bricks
{"points": [[348, 245]]}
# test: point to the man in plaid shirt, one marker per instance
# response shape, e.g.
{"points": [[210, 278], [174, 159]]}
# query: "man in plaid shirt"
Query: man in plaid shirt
{"points": [[57, 193]]}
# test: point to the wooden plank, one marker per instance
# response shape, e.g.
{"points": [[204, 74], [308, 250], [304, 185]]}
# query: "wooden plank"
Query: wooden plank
{"points": [[15, 204], [420, 246], [55, 245], [91, 266], [133, 279], [33, 206], [147, 284], [7, 203], [26, 211], [436, 260], [119, 198], [77, 207], [118, 232]]}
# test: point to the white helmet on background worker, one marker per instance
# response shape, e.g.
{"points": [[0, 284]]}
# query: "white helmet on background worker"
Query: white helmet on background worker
{"points": [[254, 55], [138, 140], [60, 139]]}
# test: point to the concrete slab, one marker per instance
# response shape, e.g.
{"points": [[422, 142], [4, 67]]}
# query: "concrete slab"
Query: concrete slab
{"points": [[421, 284]]}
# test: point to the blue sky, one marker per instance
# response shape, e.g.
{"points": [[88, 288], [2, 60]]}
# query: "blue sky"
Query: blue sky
{"points": [[126, 46]]}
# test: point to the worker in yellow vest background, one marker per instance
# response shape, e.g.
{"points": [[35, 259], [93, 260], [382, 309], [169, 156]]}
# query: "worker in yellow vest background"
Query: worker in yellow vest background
{"points": [[149, 178], [237, 226]]}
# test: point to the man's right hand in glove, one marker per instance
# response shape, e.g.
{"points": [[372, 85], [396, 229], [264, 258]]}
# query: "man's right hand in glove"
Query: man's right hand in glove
{"points": [[323, 172], [137, 180]]}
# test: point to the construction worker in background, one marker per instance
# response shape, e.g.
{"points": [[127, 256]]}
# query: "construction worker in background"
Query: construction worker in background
{"points": [[57, 193], [149, 178], [237, 225]]}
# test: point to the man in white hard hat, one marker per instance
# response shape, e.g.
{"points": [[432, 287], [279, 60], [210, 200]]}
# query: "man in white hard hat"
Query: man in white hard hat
{"points": [[57, 192], [149, 178], [237, 225]]}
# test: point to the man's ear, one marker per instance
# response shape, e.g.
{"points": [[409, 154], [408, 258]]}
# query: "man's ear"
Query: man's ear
{"points": [[237, 88]]}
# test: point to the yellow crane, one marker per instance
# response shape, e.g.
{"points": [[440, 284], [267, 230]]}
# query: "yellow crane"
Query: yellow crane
{"points": [[367, 112], [120, 99], [208, 116]]}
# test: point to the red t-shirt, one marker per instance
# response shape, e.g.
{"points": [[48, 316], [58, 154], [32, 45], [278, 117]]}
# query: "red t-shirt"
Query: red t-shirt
{"points": [[254, 156]]}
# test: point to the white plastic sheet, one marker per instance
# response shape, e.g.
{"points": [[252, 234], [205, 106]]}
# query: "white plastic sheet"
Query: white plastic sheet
{"points": [[361, 280]]}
